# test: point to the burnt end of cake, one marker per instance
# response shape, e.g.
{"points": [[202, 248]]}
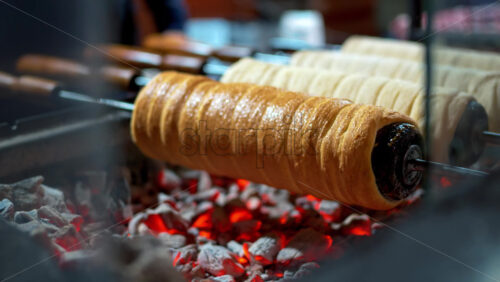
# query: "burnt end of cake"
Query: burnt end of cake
{"points": [[395, 145], [467, 144]]}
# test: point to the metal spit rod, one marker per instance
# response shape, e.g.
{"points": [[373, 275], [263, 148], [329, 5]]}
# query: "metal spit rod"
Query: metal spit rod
{"points": [[416, 165], [48, 88], [131, 79]]}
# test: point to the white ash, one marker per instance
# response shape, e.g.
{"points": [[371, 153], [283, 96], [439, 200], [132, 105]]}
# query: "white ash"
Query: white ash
{"points": [[26, 194], [223, 278], [140, 258], [215, 251], [6, 209], [78, 257], [204, 181], [51, 215], [266, 247], [329, 207], [174, 241], [350, 220], [305, 221], [218, 260], [43, 213], [133, 225], [236, 248], [170, 179]]}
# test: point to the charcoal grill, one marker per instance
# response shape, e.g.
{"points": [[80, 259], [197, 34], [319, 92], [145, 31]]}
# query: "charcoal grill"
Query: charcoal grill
{"points": [[72, 144]]}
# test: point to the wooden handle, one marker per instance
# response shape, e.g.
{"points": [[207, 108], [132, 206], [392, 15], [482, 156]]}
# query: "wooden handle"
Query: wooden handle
{"points": [[51, 66], [6, 80], [28, 85], [36, 86], [182, 64], [177, 44], [62, 69], [143, 58], [119, 76], [232, 53], [127, 55]]}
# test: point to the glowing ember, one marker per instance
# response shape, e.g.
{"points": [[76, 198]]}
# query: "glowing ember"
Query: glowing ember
{"points": [[203, 221], [329, 240], [312, 198], [358, 225], [242, 260], [248, 236], [69, 243], [240, 214], [257, 232], [207, 234], [246, 252], [360, 231], [212, 227], [284, 218], [155, 223], [242, 183]]}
